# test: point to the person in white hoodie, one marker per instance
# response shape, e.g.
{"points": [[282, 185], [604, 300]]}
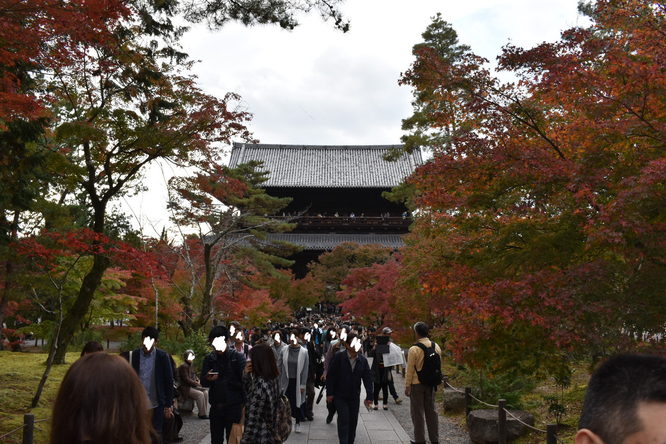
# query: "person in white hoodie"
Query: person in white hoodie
{"points": [[294, 376]]}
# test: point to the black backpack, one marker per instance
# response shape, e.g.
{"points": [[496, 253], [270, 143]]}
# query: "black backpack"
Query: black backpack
{"points": [[431, 373]]}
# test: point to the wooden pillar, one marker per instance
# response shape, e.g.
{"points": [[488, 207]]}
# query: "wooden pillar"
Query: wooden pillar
{"points": [[28, 428], [551, 434], [468, 401], [501, 422]]}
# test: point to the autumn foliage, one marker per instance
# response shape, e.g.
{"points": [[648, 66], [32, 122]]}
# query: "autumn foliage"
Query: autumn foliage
{"points": [[541, 229], [370, 292], [51, 33]]}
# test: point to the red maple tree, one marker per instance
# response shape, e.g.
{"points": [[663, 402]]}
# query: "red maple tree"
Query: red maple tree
{"points": [[541, 214]]}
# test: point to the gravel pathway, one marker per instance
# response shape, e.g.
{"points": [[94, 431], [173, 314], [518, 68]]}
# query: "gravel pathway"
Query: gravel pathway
{"points": [[449, 432], [195, 430]]}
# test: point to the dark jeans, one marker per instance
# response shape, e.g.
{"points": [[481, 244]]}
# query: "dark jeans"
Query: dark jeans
{"points": [[296, 410], [384, 388], [331, 409], [347, 418], [158, 423], [220, 425], [310, 396], [391, 385]]}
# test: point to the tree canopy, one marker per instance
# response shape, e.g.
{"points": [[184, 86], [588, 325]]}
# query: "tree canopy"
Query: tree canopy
{"points": [[541, 214]]}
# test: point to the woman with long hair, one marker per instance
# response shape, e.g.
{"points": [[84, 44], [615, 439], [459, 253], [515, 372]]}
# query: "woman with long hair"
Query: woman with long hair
{"points": [[294, 376], [263, 391], [101, 401]]}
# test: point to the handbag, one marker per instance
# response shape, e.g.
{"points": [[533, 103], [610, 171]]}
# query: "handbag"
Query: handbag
{"points": [[236, 434], [237, 429], [284, 424]]}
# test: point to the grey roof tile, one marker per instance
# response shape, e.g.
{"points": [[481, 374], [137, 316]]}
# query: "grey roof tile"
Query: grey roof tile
{"points": [[327, 166], [328, 241]]}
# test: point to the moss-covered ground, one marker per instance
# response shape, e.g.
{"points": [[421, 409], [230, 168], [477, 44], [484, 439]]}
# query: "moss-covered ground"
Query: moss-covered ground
{"points": [[536, 401], [19, 375]]}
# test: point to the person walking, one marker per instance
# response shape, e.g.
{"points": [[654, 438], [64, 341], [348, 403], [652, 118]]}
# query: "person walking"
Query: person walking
{"points": [[277, 345], [156, 374], [222, 371], [190, 386], [346, 371], [389, 370], [313, 360], [421, 380], [240, 345], [263, 392], [294, 376], [101, 400], [379, 378], [334, 347]]}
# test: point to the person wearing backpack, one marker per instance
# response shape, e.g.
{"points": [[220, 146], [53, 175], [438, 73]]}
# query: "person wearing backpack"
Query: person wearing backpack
{"points": [[424, 374]]}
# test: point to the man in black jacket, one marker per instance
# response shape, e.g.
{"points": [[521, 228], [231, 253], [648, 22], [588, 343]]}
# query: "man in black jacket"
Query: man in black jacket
{"points": [[154, 369], [222, 371], [343, 387]]}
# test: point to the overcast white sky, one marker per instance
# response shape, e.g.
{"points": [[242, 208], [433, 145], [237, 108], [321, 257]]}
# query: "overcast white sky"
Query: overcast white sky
{"points": [[316, 85]]}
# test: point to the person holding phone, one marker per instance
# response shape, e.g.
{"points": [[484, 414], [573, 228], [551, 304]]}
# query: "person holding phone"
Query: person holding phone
{"points": [[222, 372]]}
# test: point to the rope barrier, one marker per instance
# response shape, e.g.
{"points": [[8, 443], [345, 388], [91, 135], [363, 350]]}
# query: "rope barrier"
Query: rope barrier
{"points": [[523, 423], [454, 388], [496, 406], [472, 396], [11, 432], [483, 402]]}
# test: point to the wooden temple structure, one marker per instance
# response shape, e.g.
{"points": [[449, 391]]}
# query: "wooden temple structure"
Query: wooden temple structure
{"points": [[336, 194]]}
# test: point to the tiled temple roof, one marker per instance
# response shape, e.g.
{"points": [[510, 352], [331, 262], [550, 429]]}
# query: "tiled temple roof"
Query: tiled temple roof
{"points": [[328, 241], [324, 166]]}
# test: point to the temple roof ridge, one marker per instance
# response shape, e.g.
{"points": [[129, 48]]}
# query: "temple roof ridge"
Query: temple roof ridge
{"points": [[312, 146], [328, 166]]}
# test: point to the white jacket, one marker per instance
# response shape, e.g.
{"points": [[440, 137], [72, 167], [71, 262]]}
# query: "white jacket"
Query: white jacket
{"points": [[301, 372]]}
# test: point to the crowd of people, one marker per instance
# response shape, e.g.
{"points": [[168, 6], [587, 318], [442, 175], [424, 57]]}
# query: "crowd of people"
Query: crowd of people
{"points": [[259, 385], [246, 379]]}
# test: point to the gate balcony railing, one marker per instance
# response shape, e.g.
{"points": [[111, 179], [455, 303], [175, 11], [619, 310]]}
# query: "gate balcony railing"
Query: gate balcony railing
{"points": [[349, 221]]}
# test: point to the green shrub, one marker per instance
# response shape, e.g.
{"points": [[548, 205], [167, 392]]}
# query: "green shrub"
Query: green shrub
{"points": [[132, 343], [508, 386], [197, 342]]}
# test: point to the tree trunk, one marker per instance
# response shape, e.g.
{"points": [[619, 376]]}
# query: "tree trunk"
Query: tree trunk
{"points": [[78, 311], [206, 296], [9, 274], [186, 327], [3, 307], [45, 375]]}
